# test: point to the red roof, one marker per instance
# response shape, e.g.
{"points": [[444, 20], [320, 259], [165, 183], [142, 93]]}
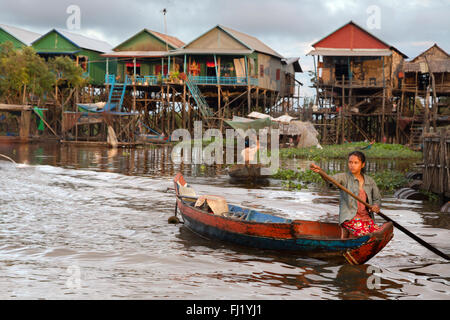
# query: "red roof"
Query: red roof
{"points": [[352, 36]]}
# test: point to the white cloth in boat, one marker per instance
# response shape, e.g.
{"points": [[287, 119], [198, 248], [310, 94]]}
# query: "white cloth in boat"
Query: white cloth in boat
{"points": [[217, 204], [185, 190]]}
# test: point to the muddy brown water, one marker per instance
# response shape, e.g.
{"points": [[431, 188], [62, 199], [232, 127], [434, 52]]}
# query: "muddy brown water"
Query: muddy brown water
{"points": [[91, 223]]}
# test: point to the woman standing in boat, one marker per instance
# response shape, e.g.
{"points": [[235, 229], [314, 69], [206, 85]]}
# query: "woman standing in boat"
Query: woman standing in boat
{"points": [[353, 215]]}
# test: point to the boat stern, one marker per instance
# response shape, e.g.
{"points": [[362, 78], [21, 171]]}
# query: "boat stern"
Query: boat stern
{"points": [[375, 244]]}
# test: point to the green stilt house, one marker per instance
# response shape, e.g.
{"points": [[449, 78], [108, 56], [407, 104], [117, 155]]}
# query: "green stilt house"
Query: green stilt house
{"points": [[142, 57], [18, 37], [85, 51], [226, 56]]}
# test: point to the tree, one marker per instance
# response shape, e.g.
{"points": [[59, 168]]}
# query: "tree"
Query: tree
{"points": [[23, 75], [68, 78]]}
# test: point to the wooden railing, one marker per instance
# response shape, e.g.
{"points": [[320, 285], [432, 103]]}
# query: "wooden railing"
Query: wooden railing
{"points": [[366, 83], [202, 80]]}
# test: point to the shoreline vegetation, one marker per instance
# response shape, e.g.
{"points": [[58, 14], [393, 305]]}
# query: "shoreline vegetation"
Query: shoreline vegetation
{"points": [[341, 151], [388, 181]]}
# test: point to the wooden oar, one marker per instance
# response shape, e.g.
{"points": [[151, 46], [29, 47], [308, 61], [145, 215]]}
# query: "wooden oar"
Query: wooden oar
{"points": [[397, 225]]}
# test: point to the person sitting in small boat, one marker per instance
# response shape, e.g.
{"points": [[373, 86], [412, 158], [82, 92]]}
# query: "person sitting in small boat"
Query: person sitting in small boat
{"points": [[249, 153], [353, 215]]}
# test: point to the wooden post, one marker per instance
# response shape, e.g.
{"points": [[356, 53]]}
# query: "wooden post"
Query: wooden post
{"points": [[433, 86], [25, 120], [265, 100], [399, 113], [167, 108], [184, 105], [342, 111], [324, 128], [249, 98], [383, 104], [173, 110], [257, 98], [249, 101], [442, 162], [316, 80], [427, 110]]}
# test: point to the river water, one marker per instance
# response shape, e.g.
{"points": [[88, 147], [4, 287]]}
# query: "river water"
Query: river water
{"points": [[91, 223]]}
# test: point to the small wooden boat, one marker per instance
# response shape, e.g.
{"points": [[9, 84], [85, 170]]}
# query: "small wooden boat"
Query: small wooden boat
{"points": [[96, 107], [259, 230], [153, 138], [247, 172]]}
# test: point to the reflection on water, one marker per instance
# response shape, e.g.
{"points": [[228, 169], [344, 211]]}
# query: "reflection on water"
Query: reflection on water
{"points": [[91, 223]]}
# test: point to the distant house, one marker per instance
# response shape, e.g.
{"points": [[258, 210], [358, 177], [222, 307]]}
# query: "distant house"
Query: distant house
{"points": [[229, 57], [434, 60], [19, 37], [85, 51], [353, 58], [219, 58], [143, 54]]}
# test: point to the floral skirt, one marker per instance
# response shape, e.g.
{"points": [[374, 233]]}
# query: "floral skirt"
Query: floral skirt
{"points": [[359, 227]]}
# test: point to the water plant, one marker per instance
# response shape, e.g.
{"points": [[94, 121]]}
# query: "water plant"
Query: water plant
{"points": [[341, 151], [387, 180]]}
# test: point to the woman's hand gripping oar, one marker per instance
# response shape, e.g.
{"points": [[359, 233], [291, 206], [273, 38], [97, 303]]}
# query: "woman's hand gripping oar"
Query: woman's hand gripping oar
{"points": [[376, 209]]}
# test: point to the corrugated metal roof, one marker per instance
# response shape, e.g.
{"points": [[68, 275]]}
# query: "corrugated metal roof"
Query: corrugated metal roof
{"points": [[428, 50], [173, 41], [85, 42], [364, 30], [436, 66], [24, 36], [350, 52], [295, 62], [210, 51], [132, 54], [82, 41], [251, 42]]}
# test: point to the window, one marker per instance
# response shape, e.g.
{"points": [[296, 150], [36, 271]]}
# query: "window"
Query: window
{"points": [[83, 62], [158, 69], [261, 70], [278, 74], [130, 68]]}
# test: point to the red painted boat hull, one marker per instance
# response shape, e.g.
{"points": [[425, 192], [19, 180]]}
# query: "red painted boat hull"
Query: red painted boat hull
{"points": [[311, 238]]}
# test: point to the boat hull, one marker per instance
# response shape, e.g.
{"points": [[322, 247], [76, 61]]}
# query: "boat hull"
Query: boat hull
{"points": [[150, 138], [307, 238], [247, 172]]}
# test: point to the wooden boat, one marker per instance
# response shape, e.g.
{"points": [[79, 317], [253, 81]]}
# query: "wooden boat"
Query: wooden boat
{"points": [[247, 172], [96, 107], [153, 138], [259, 230]]}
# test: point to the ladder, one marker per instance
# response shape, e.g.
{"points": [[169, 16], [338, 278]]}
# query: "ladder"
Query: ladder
{"points": [[116, 95], [198, 97], [415, 138]]}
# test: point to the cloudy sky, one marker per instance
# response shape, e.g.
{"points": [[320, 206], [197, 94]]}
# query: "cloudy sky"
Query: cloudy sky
{"points": [[288, 26]]}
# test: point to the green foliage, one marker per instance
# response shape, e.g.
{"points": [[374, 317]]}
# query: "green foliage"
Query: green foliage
{"points": [[67, 71], [21, 72], [291, 177], [24, 74], [341, 151], [387, 181]]}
